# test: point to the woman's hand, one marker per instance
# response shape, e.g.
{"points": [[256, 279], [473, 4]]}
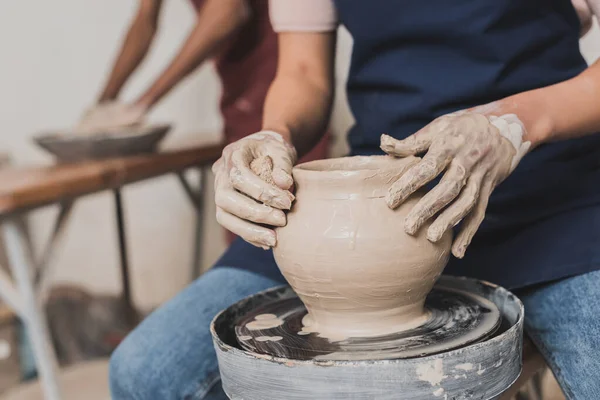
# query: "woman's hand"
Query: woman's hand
{"points": [[253, 178], [110, 116], [476, 151]]}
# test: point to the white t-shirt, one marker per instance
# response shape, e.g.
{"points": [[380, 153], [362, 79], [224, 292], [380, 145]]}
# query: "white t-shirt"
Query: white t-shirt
{"points": [[321, 15]]}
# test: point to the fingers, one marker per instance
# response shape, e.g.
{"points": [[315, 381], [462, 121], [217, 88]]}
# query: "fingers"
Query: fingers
{"points": [[243, 179], [412, 145], [251, 182], [422, 173], [473, 220], [457, 210], [252, 233], [241, 214], [244, 207], [439, 197]]}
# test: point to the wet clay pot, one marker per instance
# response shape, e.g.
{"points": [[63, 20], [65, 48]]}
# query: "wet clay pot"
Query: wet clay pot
{"points": [[346, 255]]}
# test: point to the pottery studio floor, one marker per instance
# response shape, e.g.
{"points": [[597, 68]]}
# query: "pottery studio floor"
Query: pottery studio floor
{"points": [[88, 381], [550, 387]]}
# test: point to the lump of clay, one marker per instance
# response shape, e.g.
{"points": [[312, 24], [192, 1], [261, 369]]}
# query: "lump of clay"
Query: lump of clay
{"points": [[346, 254], [111, 118]]}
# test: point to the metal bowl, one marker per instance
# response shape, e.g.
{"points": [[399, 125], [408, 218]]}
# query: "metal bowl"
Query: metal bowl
{"points": [[70, 147]]}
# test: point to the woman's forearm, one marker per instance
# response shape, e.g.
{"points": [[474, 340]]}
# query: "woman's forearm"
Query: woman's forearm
{"points": [[135, 47], [298, 110], [562, 111], [574, 106], [298, 105], [217, 21]]}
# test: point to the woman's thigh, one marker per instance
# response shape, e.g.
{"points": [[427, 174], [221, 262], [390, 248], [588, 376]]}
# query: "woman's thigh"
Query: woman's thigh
{"points": [[170, 354], [563, 319]]}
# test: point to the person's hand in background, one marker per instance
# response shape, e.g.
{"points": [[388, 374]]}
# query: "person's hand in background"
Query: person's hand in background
{"points": [[110, 116], [217, 21], [253, 178]]}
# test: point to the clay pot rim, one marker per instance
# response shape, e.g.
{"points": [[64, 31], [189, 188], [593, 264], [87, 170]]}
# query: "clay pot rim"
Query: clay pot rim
{"points": [[343, 167]]}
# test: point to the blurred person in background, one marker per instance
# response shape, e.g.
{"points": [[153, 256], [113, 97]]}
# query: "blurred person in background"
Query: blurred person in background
{"points": [[237, 34]]}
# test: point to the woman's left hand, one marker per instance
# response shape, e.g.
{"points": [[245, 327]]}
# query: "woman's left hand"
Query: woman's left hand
{"points": [[476, 151]]}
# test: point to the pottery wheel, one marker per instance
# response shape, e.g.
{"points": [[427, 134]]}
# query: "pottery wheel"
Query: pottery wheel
{"points": [[458, 318]]}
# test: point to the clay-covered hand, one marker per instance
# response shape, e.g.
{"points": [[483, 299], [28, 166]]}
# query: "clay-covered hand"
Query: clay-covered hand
{"points": [[110, 116], [476, 151], [253, 178]]}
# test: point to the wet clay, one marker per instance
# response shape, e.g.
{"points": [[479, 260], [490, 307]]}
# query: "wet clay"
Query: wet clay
{"points": [[263, 167], [269, 338], [345, 252], [265, 321]]}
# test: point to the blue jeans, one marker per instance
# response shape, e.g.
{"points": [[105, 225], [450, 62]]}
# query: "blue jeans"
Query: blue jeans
{"points": [[562, 319], [171, 356]]}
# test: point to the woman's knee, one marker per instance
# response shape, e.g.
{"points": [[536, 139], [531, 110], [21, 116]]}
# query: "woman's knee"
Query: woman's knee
{"points": [[561, 317], [128, 378], [171, 354], [144, 367]]}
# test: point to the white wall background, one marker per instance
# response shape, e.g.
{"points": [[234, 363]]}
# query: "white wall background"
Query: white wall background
{"points": [[590, 45], [54, 58]]}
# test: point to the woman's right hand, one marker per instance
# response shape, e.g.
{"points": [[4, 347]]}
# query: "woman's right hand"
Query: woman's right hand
{"points": [[247, 200]]}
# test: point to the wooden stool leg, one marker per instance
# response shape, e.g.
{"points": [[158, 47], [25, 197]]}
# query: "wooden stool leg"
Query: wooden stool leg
{"points": [[43, 266], [21, 264], [125, 277]]}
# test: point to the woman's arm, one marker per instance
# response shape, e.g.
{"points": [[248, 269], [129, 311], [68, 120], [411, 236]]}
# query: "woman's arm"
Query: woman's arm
{"points": [[217, 21], [135, 47], [563, 111], [298, 104]]}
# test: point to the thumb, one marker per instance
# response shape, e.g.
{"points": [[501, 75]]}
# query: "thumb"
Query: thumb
{"points": [[283, 162], [264, 167]]}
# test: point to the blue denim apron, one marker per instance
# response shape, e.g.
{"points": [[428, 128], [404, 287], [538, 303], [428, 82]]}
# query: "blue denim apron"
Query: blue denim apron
{"points": [[415, 60]]}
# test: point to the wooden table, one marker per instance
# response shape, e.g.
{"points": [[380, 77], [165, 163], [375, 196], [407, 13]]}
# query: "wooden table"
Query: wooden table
{"points": [[25, 189]]}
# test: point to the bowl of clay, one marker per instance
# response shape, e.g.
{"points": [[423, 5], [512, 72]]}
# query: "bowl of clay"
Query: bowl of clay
{"points": [[71, 147]]}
